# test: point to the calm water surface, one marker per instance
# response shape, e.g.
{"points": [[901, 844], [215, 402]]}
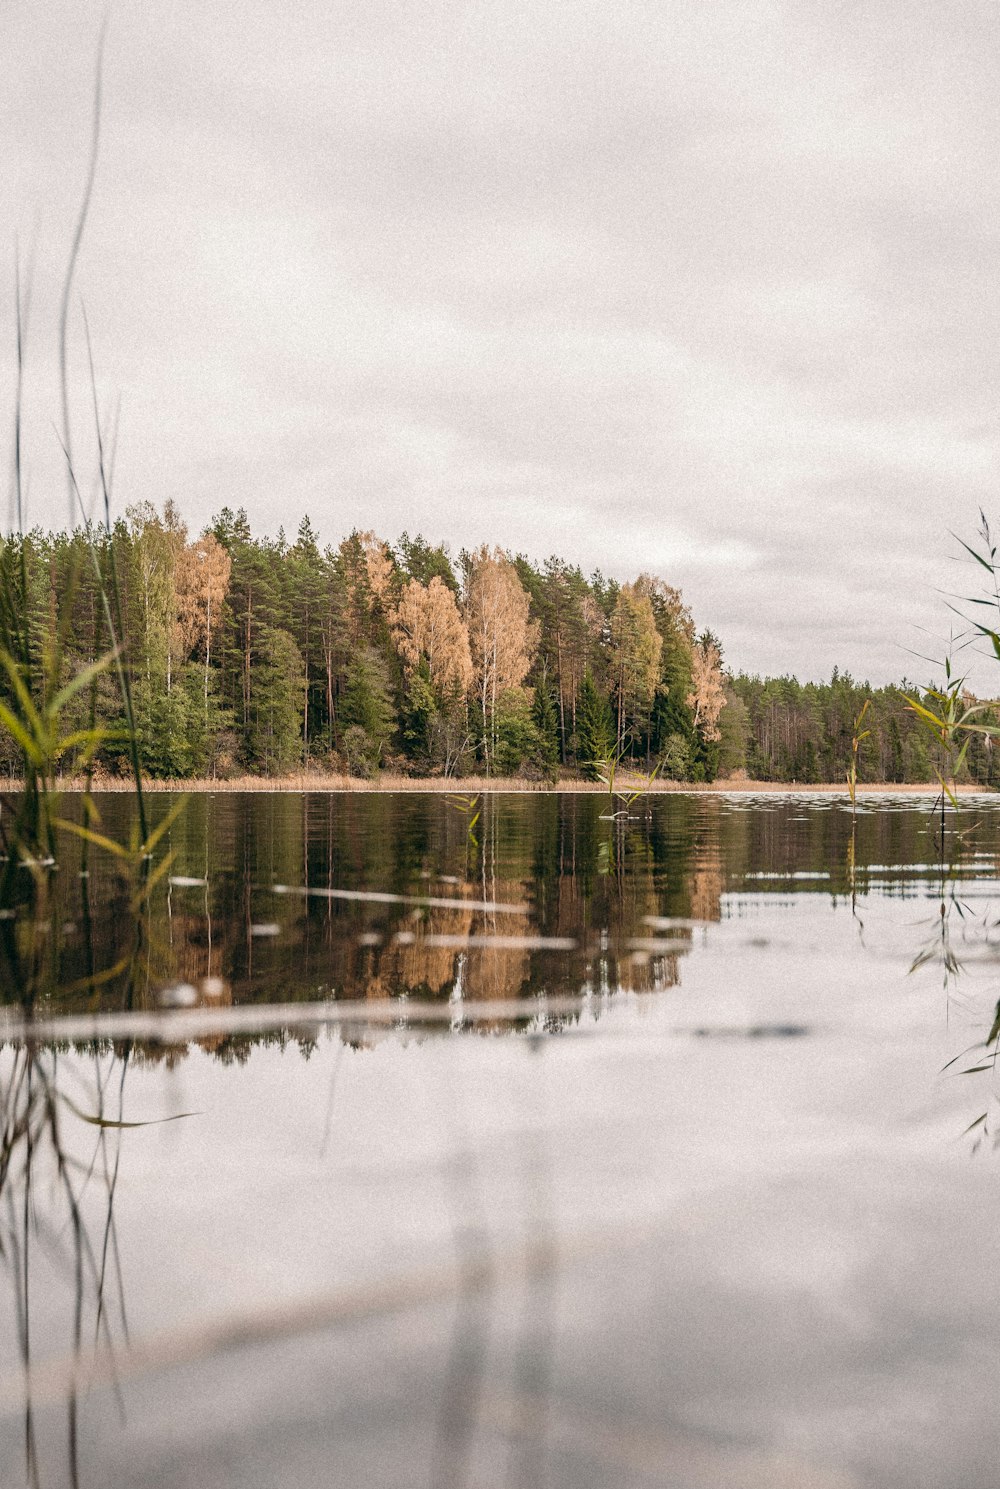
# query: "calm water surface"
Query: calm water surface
{"points": [[546, 1150]]}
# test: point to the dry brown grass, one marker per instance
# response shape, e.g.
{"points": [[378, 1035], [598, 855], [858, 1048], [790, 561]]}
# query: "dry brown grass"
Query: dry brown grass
{"points": [[471, 785]]}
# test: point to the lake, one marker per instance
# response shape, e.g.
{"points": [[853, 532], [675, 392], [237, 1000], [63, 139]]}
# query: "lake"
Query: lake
{"points": [[405, 1140]]}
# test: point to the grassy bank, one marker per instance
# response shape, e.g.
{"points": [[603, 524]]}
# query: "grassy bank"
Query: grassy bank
{"points": [[323, 781]]}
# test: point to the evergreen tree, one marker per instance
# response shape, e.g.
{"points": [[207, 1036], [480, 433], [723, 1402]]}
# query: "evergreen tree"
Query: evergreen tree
{"points": [[419, 715], [366, 708], [595, 728], [518, 741], [420, 561], [276, 676], [546, 721]]}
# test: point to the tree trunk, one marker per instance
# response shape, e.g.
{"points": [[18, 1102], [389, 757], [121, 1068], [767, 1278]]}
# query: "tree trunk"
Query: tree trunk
{"points": [[208, 647], [246, 663], [562, 700]]}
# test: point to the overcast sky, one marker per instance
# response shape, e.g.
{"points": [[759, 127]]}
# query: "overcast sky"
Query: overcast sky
{"points": [[707, 289]]}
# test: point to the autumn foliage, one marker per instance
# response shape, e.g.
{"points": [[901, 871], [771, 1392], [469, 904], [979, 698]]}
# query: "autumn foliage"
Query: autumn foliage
{"points": [[255, 654]]}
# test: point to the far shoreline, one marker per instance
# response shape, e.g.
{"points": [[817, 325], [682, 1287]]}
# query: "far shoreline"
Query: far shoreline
{"points": [[320, 783]]}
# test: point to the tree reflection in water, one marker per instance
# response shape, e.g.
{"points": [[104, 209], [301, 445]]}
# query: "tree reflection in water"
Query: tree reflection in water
{"points": [[402, 920]]}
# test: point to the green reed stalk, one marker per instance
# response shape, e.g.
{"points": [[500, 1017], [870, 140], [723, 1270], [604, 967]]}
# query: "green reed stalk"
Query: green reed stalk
{"points": [[35, 696], [856, 737]]}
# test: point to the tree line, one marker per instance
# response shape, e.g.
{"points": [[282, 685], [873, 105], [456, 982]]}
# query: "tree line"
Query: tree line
{"points": [[778, 729], [250, 654], [259, 655]]}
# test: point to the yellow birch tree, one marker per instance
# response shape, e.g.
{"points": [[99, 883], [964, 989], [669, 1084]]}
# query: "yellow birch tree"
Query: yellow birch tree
{"points": [[501, 637], [707, 697], [201, 582], [427, 627]]}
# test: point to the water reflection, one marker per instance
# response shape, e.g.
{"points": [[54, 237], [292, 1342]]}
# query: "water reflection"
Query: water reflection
{"points": [[57, 1220], [298, 920], [957, 938], [286, 898]]}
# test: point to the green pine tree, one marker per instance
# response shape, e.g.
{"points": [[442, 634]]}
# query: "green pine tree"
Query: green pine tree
{"points": [[595, 728]]}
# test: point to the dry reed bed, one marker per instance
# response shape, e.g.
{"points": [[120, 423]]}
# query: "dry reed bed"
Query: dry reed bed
{"points": [[319, 781]]}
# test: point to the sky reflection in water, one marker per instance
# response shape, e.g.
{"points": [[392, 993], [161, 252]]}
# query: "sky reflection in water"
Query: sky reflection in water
{"points": [[708, 1216]]}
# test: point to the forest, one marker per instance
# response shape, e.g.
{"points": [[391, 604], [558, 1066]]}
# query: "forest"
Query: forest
{"points": [[249, 655]]}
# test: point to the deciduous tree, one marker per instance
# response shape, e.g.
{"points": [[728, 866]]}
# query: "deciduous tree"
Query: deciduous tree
{"points": [[708, 695], [201, 580], [501, 636], [427, 627]]}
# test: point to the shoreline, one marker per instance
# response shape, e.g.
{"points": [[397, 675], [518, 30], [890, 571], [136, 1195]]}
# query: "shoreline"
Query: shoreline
{"points": [[479, 785]]}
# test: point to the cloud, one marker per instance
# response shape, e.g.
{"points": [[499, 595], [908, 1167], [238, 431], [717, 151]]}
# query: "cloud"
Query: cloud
{"points": [[705, 289]]}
